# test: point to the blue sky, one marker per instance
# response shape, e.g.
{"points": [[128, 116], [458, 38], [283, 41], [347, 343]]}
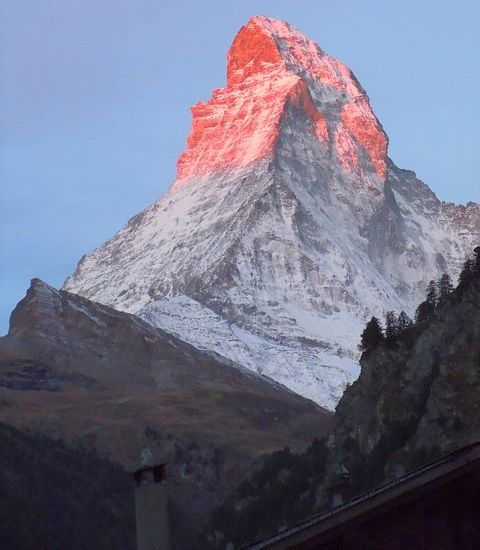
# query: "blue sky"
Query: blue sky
{"points": [[95, 97]]}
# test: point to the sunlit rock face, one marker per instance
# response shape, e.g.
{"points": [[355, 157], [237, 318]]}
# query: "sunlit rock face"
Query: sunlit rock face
{"points": [[287, 225], [272, 66]]}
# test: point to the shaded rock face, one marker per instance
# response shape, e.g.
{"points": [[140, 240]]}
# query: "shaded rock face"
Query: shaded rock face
{"points": [[416, 399], [97, 378], [287, 226]]}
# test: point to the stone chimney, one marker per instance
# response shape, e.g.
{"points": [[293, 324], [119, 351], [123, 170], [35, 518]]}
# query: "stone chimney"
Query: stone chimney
{"points": [[339, 488], [151, 508]]}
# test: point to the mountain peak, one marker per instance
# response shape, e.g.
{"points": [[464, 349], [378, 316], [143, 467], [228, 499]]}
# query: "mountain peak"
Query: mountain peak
{"points": [[272, 65], [279, 238], [254, 50]]}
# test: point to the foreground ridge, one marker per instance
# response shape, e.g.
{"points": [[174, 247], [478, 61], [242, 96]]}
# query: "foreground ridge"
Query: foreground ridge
{"points": [[97, 378]]}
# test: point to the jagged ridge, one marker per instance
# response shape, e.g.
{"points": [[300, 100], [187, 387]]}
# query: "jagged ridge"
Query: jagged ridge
{"points": [[271, 63]]}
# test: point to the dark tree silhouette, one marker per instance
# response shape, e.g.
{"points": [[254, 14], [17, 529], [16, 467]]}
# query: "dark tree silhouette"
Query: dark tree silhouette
{"points": [[372, 335], [476, 262], [467, 275], [404, 322], [445, 287], [426, 309], [391, 326], [432, 295], [424, 312]]}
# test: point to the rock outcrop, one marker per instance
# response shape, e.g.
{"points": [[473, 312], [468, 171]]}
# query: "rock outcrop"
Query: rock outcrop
{"points": [[417, 398]]}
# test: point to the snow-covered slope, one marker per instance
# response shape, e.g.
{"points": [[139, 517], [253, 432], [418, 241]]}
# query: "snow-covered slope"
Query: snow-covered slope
{"points": [[287, 225]]}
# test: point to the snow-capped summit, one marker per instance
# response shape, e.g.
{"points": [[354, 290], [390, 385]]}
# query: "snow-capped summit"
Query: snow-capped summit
{"points": [[287, 225]]}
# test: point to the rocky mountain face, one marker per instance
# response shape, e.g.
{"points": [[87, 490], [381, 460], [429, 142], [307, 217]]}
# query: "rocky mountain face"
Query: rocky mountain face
{"points": [[287, 226], [417, 399], [96, 378]]}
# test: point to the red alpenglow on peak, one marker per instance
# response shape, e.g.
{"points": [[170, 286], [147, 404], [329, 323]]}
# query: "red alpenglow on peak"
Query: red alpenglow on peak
{"points": [[272, 65]]}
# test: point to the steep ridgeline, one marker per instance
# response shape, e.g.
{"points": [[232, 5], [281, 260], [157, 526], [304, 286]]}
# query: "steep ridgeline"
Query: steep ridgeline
{"points": [[98, 378], [287, 225], [416, 400]]}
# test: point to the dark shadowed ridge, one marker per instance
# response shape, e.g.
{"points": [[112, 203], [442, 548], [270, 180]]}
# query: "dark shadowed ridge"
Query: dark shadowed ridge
{"points": [[94, 377]]}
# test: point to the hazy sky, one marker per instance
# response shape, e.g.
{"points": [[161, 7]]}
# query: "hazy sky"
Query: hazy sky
{"points": [[95, 97]]}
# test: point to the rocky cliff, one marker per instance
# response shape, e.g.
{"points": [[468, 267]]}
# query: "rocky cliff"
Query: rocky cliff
{"points": [[416, 400], [287, 226]]}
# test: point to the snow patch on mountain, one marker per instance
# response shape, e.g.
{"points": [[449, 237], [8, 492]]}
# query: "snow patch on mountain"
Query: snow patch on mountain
{"points": [[309, 368]]}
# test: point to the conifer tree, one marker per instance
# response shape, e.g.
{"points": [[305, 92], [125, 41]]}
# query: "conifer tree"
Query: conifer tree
{"points": [[404, 322], [476, 262], [426, 309], [467, 275], [391, 326], [372, 335], [445, 287], [432, 295], [424, 312]]}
